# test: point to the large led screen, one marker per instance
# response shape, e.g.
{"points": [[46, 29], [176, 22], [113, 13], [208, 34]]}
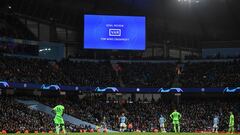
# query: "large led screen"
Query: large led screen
{"points": [[114, 32]]}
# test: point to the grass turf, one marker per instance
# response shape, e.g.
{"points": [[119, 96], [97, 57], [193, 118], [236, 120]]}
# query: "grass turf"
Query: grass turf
{"points": [[133, 133]]}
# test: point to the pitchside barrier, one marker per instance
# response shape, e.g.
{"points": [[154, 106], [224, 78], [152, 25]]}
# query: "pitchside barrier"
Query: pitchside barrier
{"points": [[56, 87]]}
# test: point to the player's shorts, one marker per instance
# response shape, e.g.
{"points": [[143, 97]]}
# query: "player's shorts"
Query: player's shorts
{"points": [[231, 125], [123, 125], [175, 122], [58, 120], [162, 125], [215, 125]]}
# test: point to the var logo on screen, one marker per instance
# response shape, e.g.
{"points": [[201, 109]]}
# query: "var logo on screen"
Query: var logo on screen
{"points": [[115, 32]]}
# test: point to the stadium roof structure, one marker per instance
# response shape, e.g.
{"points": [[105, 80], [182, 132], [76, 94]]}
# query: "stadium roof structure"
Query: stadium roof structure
{"points": [[203, 20]]}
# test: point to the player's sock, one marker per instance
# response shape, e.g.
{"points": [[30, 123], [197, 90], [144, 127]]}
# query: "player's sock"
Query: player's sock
{"points": [[179, 128], [164, 130], [64, 130], [214, 130], [175, 129], [230, 130], [57, 129]]}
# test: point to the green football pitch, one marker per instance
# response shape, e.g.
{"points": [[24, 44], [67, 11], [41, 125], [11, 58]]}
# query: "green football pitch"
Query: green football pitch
{"points": [[151, 133], [132, 133]]}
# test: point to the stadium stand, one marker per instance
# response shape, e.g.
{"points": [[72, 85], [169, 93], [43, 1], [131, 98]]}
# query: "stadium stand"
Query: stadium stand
{"points": [[220, 74], [197, 115], [173, 58], [66, 72], [18, 117], [147, 74]]}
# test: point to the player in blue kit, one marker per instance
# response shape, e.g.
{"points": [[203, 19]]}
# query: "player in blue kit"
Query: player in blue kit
{"points": [[162, 121], [123, 121], [215, 124]]}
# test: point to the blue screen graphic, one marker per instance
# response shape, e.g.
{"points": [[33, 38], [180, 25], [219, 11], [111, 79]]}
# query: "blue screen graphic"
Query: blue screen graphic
{"points": [[114, 32]]}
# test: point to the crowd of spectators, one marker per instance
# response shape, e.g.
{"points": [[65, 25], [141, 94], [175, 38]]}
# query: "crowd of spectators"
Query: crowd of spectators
{"points": [[211, 75], [147, 74], [17, 117], [90, 109], [29, 70], [62, 73], [67, 72], [197, 114], [88, 73]]}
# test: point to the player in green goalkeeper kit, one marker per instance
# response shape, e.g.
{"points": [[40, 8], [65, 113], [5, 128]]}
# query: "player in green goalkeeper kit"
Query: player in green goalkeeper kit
{"points": [[176, 116], [231, 123], [58, 120]]}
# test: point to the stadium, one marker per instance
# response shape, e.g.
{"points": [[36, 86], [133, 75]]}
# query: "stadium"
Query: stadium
{"points": [[120, 67]]}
